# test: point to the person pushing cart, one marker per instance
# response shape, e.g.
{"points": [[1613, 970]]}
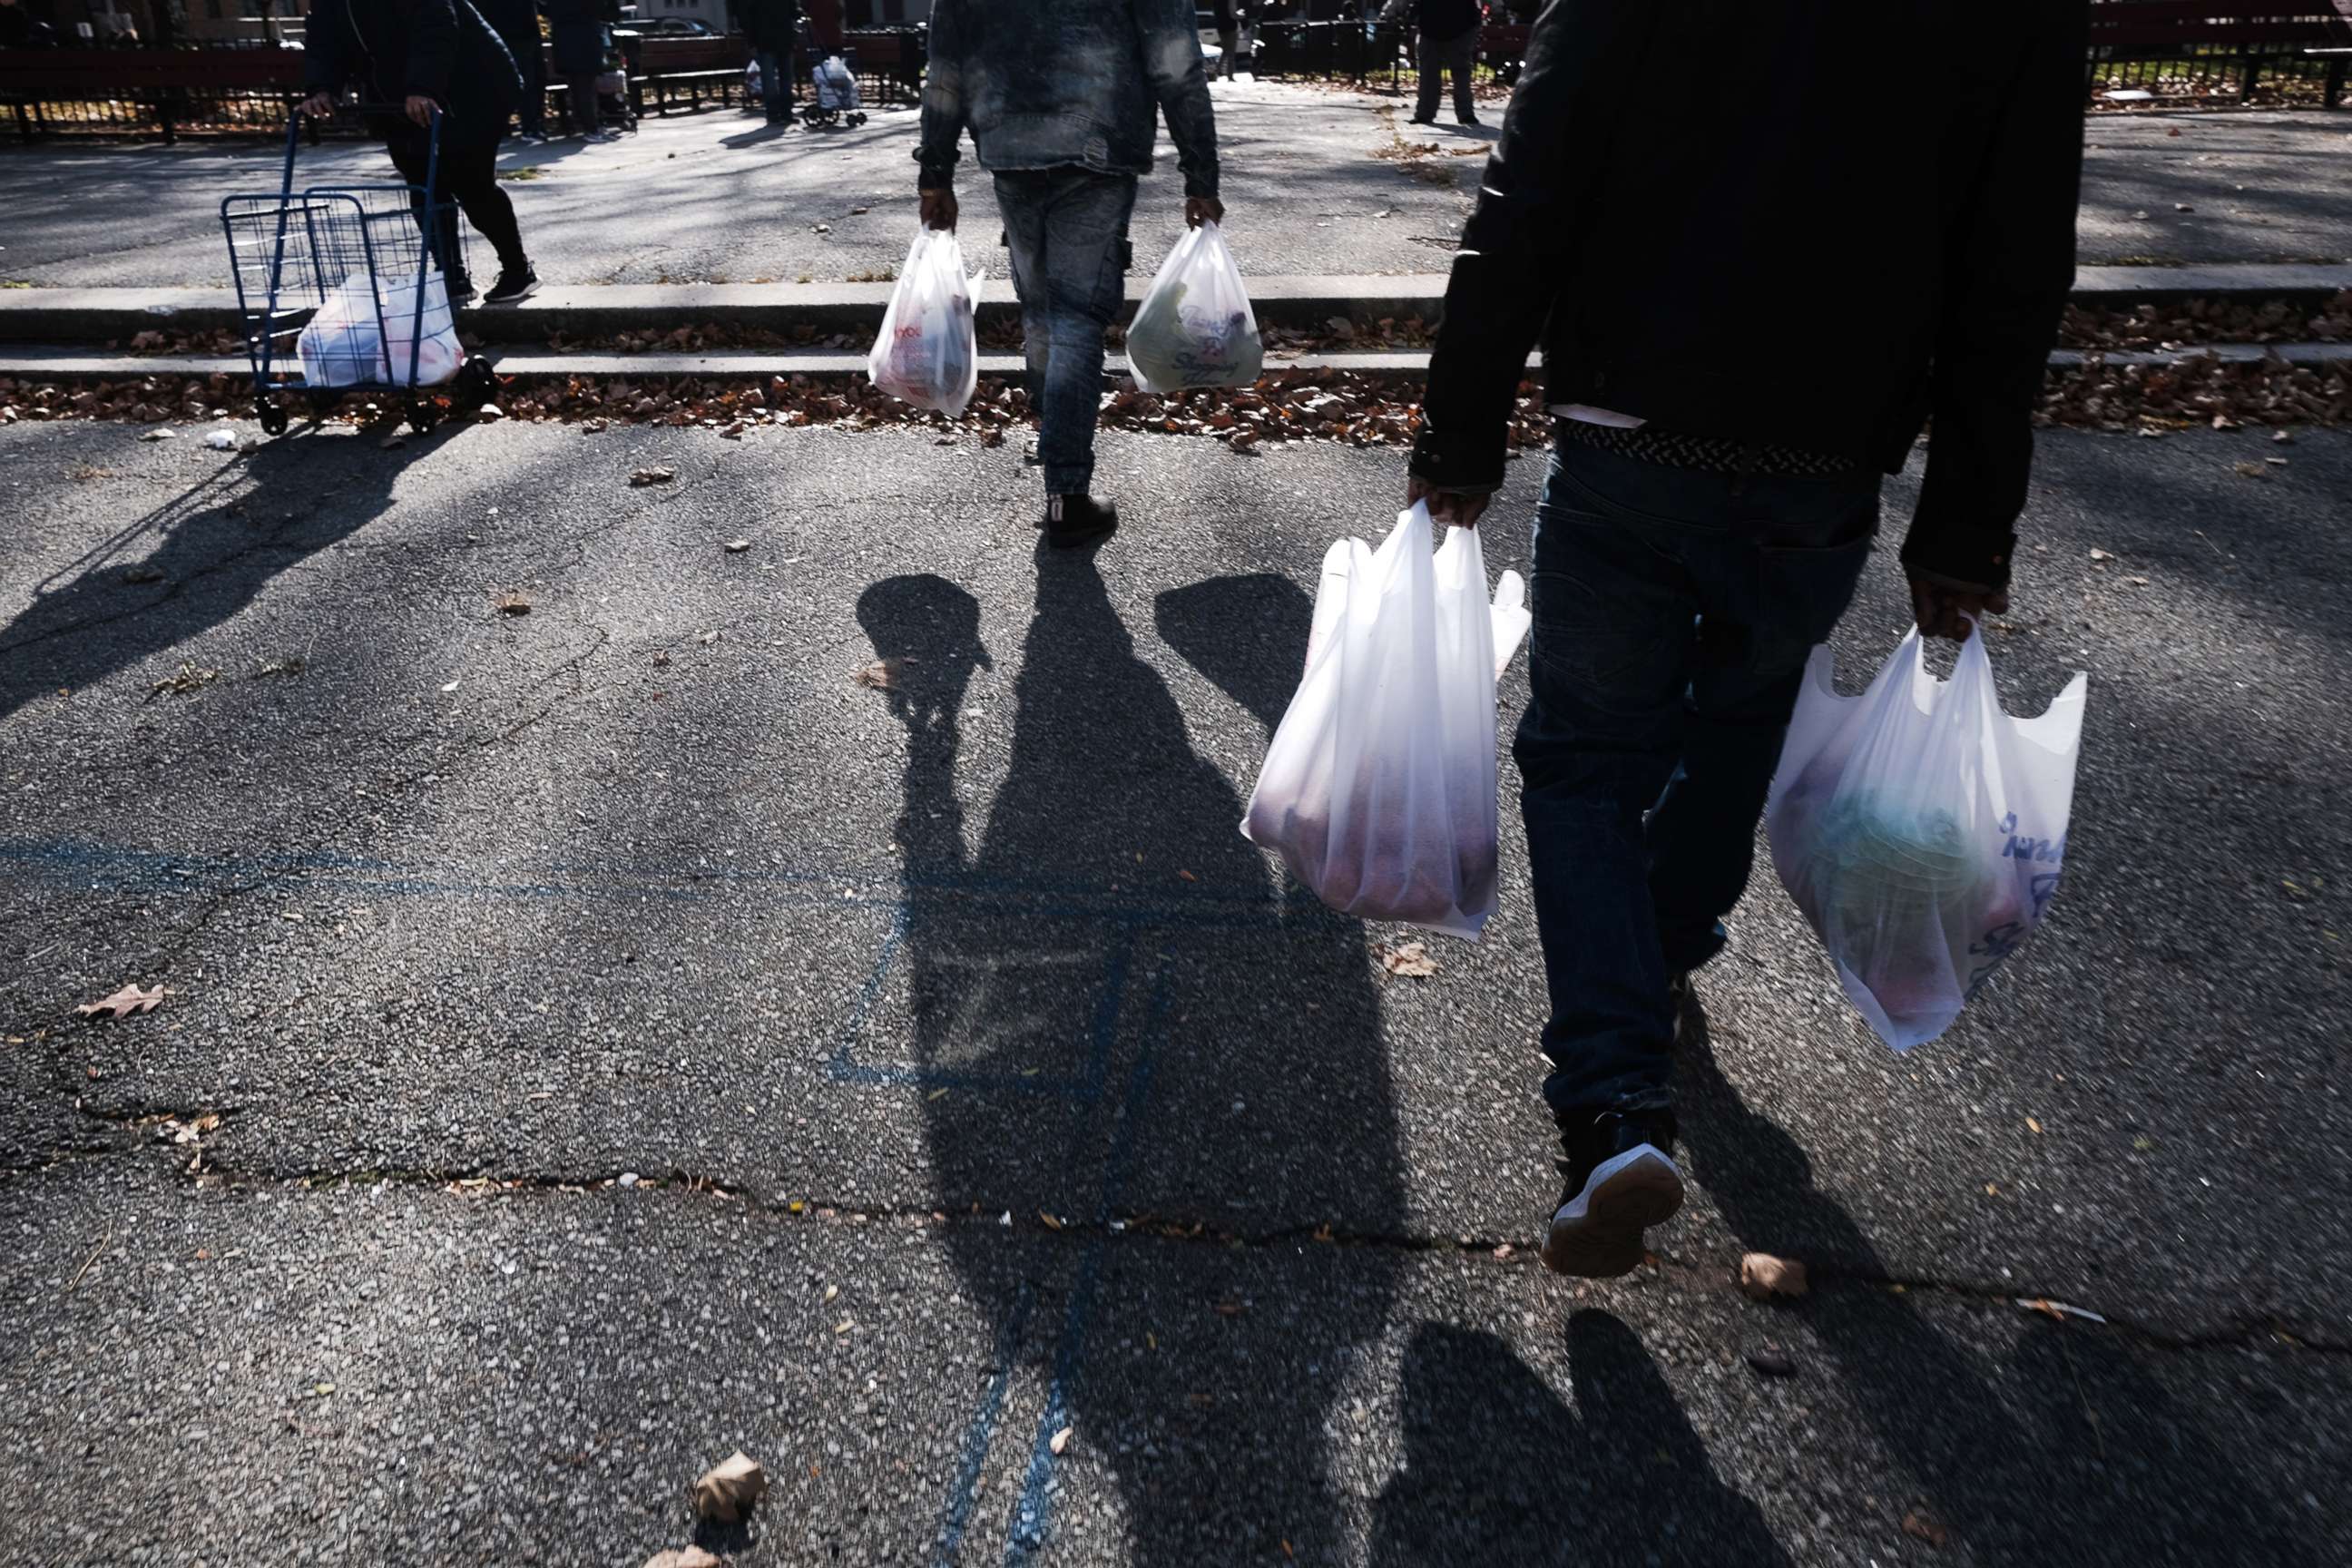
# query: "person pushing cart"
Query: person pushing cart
{"points": [[423, 56]]}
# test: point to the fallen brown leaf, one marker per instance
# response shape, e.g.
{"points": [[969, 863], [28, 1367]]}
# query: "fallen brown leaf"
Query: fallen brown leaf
{"points": [[1061, 1442], [2253, 471], [730, 1488], [1410, 960], [123, 1002], [1924, 1526], [644, 477], [1763, 1276], [684, 1557], [1772, 1361], [512, 603]]}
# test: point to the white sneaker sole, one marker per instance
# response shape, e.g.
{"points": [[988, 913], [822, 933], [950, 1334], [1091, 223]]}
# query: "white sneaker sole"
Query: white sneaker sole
{"points": [[1598, 1234]]}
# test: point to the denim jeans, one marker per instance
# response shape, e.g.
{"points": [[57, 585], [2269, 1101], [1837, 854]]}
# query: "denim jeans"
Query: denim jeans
{"points": [[1674, 611], [1066, 228], [776, 83]]}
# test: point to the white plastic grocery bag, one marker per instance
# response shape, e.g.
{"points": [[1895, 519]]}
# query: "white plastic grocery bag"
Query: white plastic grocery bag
{"points": [[433, 334], [1195, 327], [1922, 830], [927, 354], [346, 343], [1378, 789]]}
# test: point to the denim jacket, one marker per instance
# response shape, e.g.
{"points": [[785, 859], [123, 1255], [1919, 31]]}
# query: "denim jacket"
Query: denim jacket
{"points": [[1044, 84]]}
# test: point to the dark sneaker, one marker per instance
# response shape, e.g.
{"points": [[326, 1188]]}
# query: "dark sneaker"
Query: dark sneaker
{"points": [[1473, 121], [1075, 521], [513, 286], [459, 284], [1622, 1180], [1419, 119]]}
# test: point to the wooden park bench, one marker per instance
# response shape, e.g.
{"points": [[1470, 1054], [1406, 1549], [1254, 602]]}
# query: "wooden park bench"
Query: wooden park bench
{"points": [[2219, 35]]}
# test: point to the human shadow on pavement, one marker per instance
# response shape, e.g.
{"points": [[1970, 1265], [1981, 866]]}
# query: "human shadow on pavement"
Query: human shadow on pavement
{"points": [[1117, 1020], [2015, 1480], [190, 564], [1497, 1469]]}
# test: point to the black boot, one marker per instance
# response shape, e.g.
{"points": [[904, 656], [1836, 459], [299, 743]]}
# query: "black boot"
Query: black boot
{"points": [[515, 284], [1073, 521]]}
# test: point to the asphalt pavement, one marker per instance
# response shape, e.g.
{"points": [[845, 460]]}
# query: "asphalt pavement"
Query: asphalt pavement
{"points": [[635, 1036], [720, 197]]}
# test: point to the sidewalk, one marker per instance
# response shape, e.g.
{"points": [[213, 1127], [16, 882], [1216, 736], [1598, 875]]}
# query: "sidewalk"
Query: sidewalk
{"points": [[718, 198], [997, 1091]]}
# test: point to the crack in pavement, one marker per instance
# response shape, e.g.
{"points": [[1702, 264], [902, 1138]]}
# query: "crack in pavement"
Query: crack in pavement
{"points": [[2264, 1333]]}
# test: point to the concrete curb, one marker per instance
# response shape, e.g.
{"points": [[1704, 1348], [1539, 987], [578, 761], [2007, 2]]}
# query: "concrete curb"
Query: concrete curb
{"points": [[102, 315], [39, 362]]}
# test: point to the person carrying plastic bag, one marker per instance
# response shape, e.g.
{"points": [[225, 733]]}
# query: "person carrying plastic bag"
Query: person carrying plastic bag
{"points": [[927, 354], [1922, 830], [1195, 327], [1063, 99], [1378, 788]]}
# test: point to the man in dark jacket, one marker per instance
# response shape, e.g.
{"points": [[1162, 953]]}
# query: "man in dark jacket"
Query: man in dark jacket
{"points": [[774, 27], [1748, 305], [420, 59], [1446, 41], [1063, 99]]}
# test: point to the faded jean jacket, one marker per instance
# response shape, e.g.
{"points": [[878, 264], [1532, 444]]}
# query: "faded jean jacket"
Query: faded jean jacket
{"points": [[1046, 84]]}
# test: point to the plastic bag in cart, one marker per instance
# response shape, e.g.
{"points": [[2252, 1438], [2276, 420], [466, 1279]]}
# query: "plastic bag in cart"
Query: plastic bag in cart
{"points": [[927, 354], [346, 343], [1922, 830], [835, 84], [1378, 788], [1195, 327]]}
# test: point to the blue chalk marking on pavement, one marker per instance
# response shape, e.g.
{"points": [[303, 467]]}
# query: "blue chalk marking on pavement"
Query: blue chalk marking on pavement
{"points": [[981, 1432], [1032, 1516]]}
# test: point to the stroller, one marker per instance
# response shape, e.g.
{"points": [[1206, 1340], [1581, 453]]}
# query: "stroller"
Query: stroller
{"points": [[835, 80]]}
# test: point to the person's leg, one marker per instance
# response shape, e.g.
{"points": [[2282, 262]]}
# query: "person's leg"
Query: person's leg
{"points": [[1462, 59], [1229, 48], [1021, 199], [580, 102], [1083, 278], [1778, 589], [412, 155], [1427, 59], [1614, 611], [532, 113], [776, 86], [469, 173]]}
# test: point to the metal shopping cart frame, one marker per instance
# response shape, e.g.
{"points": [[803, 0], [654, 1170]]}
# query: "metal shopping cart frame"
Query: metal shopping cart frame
{"points": [[291, 254]]}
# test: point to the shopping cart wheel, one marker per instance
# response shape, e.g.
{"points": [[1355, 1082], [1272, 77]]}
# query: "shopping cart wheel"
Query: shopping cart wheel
{"points": [[272, 416], [476, 384], [422, 416]]}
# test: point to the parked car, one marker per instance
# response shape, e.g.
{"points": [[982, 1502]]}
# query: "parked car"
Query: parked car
{"points": [[674, 27]]}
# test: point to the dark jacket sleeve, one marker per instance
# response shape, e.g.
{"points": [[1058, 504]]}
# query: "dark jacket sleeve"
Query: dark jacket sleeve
{"points": [[1171, 34], [327, 47], [1515, 251], [2009, 265], [943, 101], [432, 48]]}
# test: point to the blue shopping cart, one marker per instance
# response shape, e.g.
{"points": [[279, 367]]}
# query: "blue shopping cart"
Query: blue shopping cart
{"points": [[343, 290]]}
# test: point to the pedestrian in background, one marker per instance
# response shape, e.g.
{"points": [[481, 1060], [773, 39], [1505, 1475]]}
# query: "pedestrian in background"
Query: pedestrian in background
{"points": [[1063, 99], [1704, 523], [774, 27], [429, 57], [576, 37], [1445, 40], [516, 21], [1232, 17]]}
